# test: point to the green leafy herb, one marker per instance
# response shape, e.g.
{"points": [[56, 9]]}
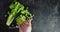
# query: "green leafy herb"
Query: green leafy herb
{"points": [[16, 8]]}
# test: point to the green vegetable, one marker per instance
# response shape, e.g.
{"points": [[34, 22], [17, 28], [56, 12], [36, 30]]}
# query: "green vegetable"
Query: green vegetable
{"points": [[16, 8], [20, 19], [25, 12]]}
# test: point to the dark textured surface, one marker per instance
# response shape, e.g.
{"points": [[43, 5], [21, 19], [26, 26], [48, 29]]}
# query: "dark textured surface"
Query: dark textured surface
{"points": [[46, 15]]}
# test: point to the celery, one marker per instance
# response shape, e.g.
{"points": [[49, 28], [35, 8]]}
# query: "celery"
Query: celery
{"points": [[16, 8]]}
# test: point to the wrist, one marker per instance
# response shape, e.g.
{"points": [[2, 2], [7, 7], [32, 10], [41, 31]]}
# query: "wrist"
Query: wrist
{"points": [[28, 29]]}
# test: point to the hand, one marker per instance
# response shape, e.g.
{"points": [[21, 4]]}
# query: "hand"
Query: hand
{"points": [[25, 27]]}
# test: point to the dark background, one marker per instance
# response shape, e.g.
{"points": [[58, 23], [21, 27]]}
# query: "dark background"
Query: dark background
{"points": [[46, 15]]}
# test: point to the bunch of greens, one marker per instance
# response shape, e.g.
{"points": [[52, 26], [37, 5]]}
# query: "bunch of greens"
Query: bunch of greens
{"points": [[16, 8]]}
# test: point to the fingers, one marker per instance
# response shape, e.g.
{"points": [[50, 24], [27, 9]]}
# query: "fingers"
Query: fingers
{"points": [[26, 23]]}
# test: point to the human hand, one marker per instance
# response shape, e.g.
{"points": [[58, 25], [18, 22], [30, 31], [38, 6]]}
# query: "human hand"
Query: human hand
{"points": [[25, 27]]}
